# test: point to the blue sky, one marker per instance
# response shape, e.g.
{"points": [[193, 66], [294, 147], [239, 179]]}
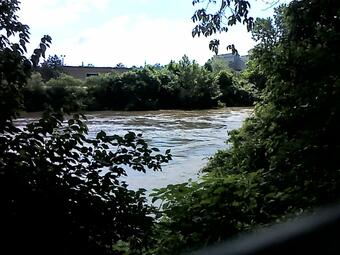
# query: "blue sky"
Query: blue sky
{"points": [[132, 32]]}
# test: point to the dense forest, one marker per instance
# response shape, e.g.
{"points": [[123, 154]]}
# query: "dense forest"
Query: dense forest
{"points": [[182, 85], [283, 162]]}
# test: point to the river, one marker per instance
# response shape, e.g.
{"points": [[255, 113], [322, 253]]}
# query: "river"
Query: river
{"points": [[192, 136]]}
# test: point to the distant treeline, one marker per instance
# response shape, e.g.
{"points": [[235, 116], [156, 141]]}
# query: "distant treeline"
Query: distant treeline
{"points": [[182, 85]]}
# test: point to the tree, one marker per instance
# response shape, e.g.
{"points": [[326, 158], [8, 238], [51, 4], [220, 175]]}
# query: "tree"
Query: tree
{"points": [[51, 68], [283, 161], [232, 91], [193, 85], [120, 65], [60, 190], [35, 96], [267, 32], [209, 23], [14, 66], [65, 93]]}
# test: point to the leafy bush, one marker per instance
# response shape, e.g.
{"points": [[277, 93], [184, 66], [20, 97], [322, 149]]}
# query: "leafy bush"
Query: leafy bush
{"points": [[232, 90], [196, 214], [35, 96], [143, 88], [183, 85], [51, 68], [66, 93], [284, 160], [192, 84], [60, 190]]}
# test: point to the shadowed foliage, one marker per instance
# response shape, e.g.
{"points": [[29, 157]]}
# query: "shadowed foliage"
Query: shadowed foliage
{"points": [[284, 160], [60, 190]]}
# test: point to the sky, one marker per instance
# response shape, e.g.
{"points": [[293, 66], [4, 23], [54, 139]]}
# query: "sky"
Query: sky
{"points": [[132, 32]]}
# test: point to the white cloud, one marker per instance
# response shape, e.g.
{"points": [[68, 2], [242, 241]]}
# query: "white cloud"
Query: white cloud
{"points": [[134, 40], [143, 2], [131, 40], [57, 13]]}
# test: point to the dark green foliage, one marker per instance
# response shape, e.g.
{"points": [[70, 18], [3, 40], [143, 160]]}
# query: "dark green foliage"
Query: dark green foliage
{"points": [[51, 68], [183, 85], [60, 191], [142, 87], [64, 93], [233, 92], [193, 85], [134, 90], [14, 67], [168, 98], [254, 75], [284, 160], [105, 93], [267, 32], [197, 214], [35, 97]]}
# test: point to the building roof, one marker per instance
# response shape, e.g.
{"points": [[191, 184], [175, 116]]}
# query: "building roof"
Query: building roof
{"points": [[82, 72]]}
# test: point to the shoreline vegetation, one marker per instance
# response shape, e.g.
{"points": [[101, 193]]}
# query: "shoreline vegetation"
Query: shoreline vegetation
{"points": [[183, 85]]}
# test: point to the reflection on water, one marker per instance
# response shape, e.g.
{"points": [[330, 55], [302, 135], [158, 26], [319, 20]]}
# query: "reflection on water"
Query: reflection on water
{"points": [[192, 136]]}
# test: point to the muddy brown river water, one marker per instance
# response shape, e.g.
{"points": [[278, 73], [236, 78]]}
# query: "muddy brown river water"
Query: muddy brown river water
{"points": [[192, 136]]}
